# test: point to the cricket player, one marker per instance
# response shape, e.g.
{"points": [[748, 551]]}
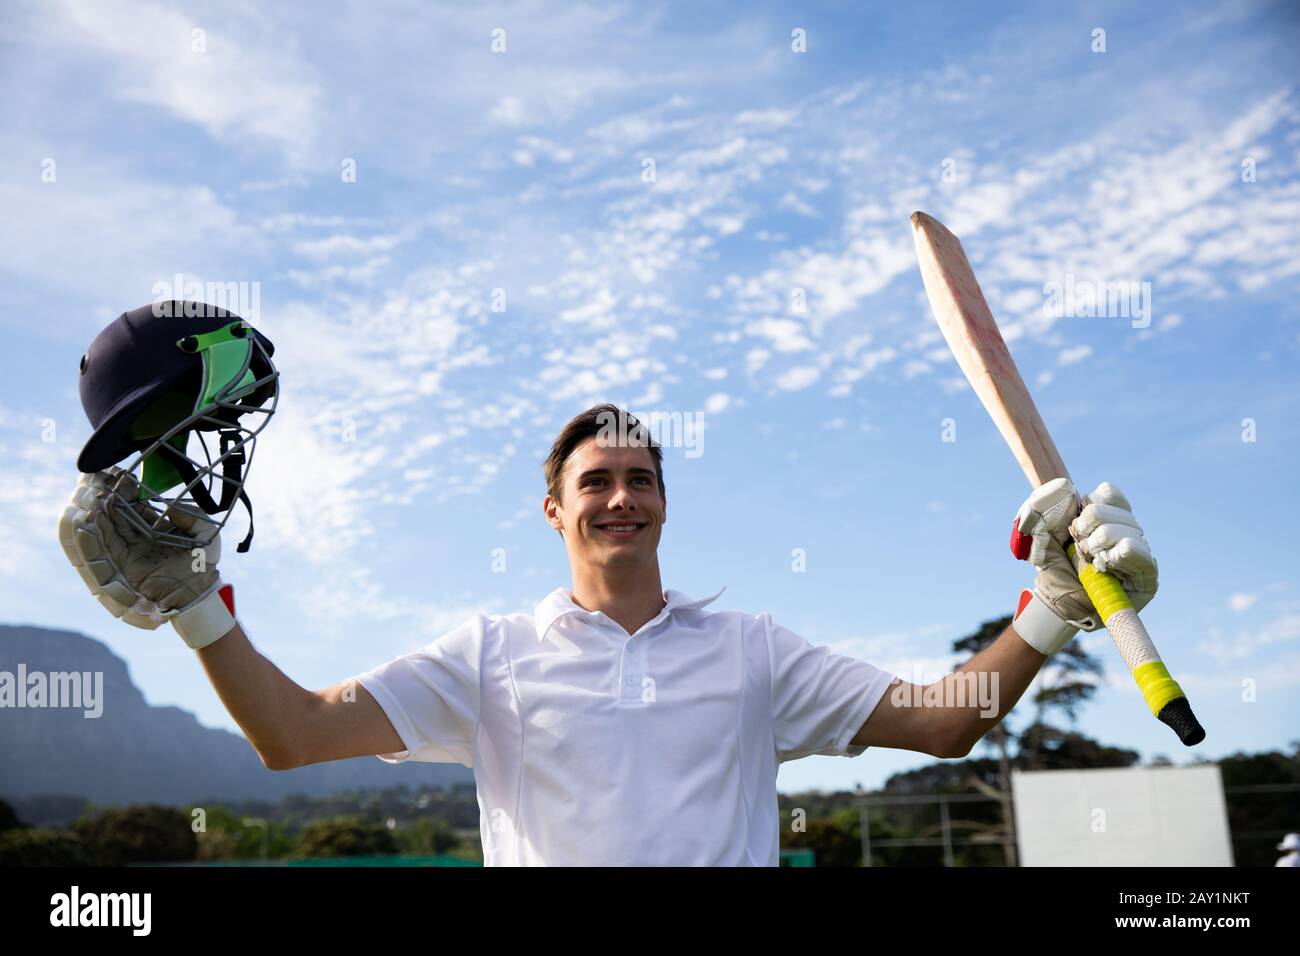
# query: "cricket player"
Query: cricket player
{"points": [[616, 723]]}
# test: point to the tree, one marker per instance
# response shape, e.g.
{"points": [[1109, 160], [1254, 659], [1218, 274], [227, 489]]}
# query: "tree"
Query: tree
{"points": [[1055, 749]]}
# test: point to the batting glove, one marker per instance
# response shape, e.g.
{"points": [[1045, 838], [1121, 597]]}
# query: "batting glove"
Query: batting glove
{"points": [[1106, 535], [141, 581]]}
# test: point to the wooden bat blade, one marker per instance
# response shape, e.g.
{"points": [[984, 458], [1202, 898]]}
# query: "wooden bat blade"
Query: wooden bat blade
{"points": [[974, 339], [976, 343]]}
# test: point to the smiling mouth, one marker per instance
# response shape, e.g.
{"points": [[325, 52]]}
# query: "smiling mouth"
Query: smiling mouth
{"points": [[629, 530]]}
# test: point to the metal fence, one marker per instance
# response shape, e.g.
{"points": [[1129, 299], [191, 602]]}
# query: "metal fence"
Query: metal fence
{"points": [[947, 840]]}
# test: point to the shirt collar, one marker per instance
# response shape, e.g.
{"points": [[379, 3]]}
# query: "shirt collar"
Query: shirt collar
{"points": [[560, 602]]}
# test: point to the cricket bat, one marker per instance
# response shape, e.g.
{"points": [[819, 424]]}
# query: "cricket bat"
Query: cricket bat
{"points": [[973, 336]]}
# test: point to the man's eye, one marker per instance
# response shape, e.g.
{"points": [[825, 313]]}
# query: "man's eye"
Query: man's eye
{"points": [[590, 481]]}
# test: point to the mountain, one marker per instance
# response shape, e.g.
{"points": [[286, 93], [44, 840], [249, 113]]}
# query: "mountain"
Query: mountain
{"points": [[134, 752]]}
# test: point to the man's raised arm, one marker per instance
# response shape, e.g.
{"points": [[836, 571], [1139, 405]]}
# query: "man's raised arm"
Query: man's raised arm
{"points": [[146, 584], [288, 725], [947, 718]]}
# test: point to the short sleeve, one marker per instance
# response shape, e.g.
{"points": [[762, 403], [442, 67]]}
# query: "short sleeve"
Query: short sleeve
{"points": [[431, 696], [819, 699]]}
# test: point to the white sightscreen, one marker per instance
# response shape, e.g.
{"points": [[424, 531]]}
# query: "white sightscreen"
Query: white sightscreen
{"points": [[1156, 816]]}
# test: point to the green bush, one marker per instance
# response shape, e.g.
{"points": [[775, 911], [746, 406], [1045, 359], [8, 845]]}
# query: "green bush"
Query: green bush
{"points": [[38, 846], [138, 834], [428, 838], [227, 837], [345, 836]]}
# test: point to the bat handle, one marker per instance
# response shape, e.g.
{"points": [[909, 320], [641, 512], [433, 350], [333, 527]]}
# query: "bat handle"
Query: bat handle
{"points": [[1161, 692]]}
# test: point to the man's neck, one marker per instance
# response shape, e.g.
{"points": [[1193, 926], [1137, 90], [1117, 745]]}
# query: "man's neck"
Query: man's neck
{"points": [[628, 602]]}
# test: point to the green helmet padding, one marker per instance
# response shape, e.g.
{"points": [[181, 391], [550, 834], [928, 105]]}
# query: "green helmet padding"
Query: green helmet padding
{"points": [[225, 356]]}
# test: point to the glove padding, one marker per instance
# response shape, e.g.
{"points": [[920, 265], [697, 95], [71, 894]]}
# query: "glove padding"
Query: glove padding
{"points": [[140, 581], [1107, 535]]}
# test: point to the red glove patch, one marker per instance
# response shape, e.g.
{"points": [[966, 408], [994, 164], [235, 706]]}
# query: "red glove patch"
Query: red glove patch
{"points": [[1021, 544], [1025, 597]]}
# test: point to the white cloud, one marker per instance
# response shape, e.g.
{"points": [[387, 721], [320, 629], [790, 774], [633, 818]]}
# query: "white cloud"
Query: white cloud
{"points": [[1240, 602], [509, 111], [97, 232], [345, 245], [36, 480], [1074, 355], [245, 84], [1243, 647], [799, 378], [792, 202], [784, 335], [553, 151]]}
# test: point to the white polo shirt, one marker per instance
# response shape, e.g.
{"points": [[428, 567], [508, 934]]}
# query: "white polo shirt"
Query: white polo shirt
{"points": [[591, 747]]}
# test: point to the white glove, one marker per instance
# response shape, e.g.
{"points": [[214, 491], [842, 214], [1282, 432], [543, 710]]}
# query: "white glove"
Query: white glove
{"points": [[140, 581], [1107, 535]]}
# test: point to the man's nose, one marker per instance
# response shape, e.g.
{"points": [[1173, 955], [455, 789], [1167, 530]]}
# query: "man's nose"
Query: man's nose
{"points": [[622, 496]]}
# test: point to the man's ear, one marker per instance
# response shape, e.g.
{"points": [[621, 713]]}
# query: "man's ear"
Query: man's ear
{"points": [[546, 513]]}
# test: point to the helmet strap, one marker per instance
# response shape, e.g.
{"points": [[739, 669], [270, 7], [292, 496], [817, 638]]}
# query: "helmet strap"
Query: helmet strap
{"points": [[231, 473]]}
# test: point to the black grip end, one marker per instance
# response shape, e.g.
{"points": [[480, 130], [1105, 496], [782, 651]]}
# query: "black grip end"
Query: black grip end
{"points": [[1178, 715]]}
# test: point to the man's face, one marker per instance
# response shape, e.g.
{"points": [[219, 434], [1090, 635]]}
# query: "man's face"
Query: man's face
{"points": [[604, 489]]}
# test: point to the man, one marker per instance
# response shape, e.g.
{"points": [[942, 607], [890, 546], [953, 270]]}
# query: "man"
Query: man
{"points": [[622, 724]]}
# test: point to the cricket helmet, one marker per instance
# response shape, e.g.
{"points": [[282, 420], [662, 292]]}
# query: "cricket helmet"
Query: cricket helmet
{"points": [[153, 377]]}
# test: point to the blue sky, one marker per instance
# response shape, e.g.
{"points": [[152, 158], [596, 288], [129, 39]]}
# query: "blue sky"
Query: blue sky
{"points": [[219, 155]]}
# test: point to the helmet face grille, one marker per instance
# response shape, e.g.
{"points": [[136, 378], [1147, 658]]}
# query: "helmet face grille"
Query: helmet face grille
{"points": [[205, 491]]}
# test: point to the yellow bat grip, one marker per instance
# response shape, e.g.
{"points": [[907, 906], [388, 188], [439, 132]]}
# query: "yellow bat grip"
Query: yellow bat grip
{"points": [[1161, 692]]}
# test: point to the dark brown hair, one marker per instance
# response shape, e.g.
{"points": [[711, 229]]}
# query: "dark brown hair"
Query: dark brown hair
{"points": [[589, 424]]}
